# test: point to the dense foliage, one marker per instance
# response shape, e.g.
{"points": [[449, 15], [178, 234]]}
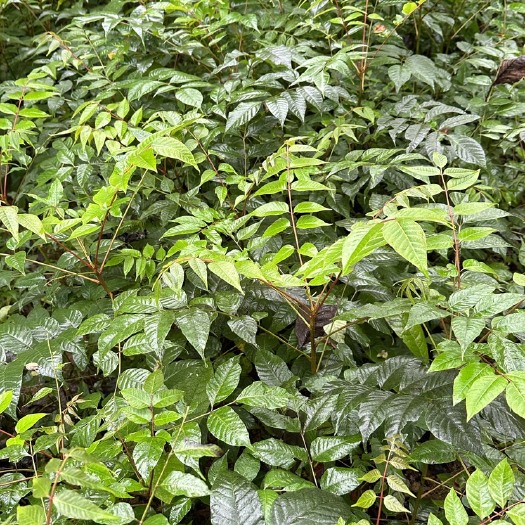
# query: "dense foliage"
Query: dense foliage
{"points": [[262, 262]]}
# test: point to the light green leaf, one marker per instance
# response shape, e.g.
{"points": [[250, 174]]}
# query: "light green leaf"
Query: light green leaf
{"points": [[454, 510], [9, 218], [271, 208], [478, 494], [468, 375], [433, 520], [517, 514], [362, 241], [397, 484], [199, 267], [308, 222], [32, 223], [227, 272], [31, 515], [482, 392], [27, 422], [174, 149], [501, 483], [309, 207], [515, 393], [408, 239], [5, 400], [72, 505], [366, 500], [393, 504]]}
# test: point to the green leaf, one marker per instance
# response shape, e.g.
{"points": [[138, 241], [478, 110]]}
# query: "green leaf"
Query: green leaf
{"points": [[32, 223], [227, 426], [408, 239], [501, 483], [136, 397], [199, 267], [517, 514], [195, 325], [190, 97], [339, 480], [146, 455], [308, 507], [154, 382], [454, 510], [278, 453], [245, 327], [309, 207], [72, 505], [181, 484], [468, 149], [482, 392], [397, 484], [271, 208], [227, 272], [27, 422], [224, 381], [468, 375], [433, 452], [366, 500], [307, 222], [478, 494], [5, 400], [362, 241], [9, 218], [278, 108], [174, 149], [31, 515], [234, 501], [393, 504], [241, 115], [399, 76], [420, 172], [466, 329], [333, 448], [433, 520], [515, 392], [257, 394]]}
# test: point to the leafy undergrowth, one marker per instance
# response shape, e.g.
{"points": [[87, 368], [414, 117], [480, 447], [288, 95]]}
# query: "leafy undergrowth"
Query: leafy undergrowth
{"points": [[262, 262]]}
